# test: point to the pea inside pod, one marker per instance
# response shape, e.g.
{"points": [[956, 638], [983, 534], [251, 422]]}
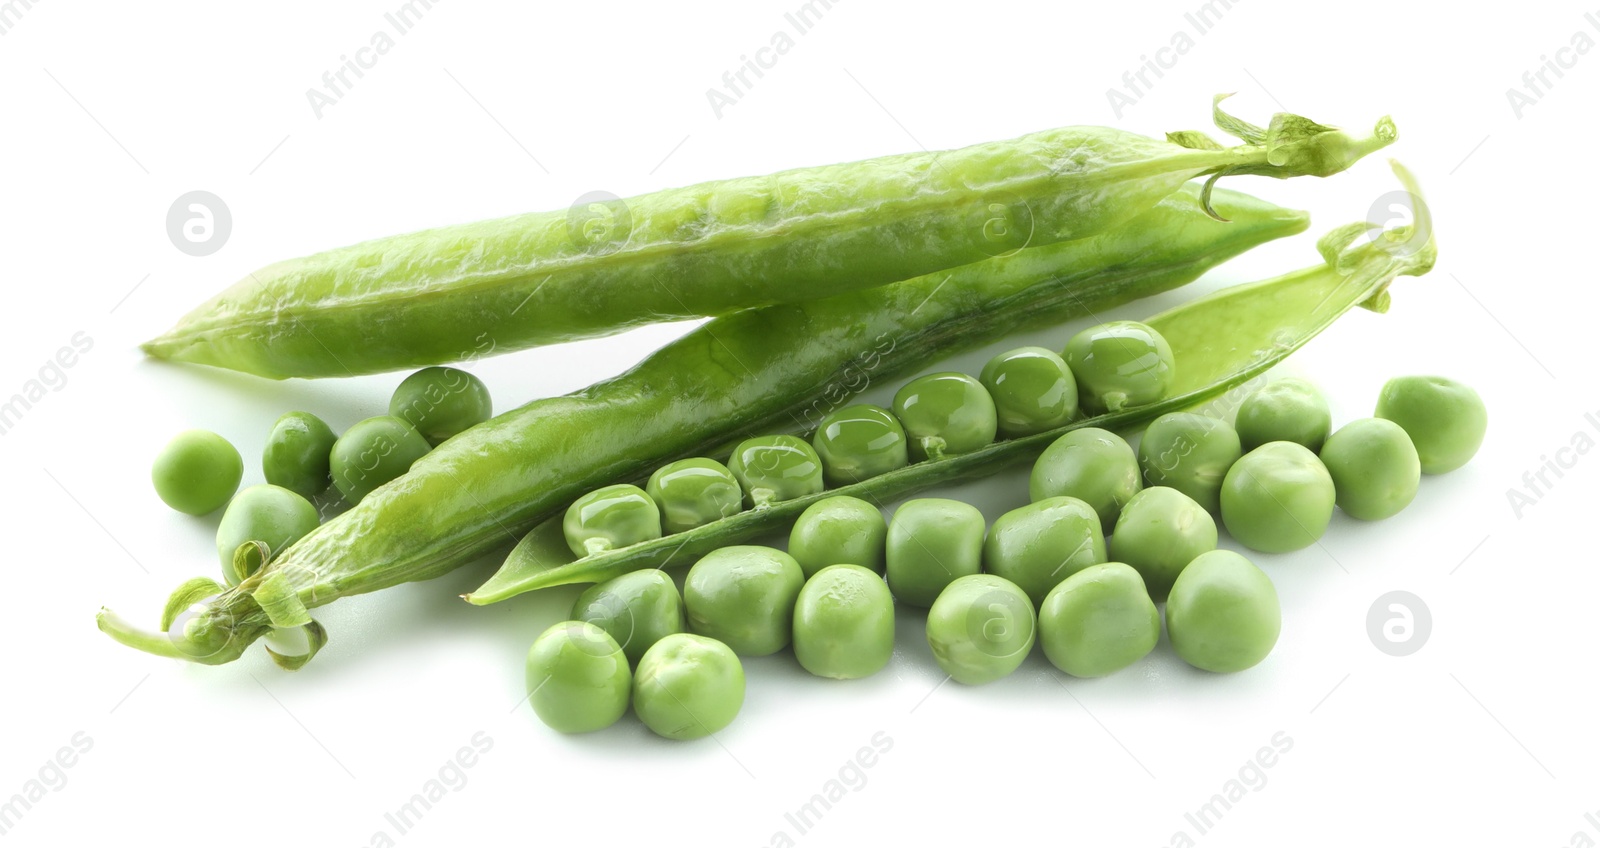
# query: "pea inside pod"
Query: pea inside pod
{"points": [[776, 468], [610, 518], [1120, 364], [1033, 391], [858, 443], [694, 492], [945, 414]]}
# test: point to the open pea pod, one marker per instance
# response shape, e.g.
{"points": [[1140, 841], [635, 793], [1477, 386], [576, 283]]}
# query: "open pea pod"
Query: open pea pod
{"points": [[1220, 341]]}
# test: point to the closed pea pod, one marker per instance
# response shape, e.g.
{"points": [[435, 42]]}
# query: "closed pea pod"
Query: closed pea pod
{"points": [[692, 492], [945, 414], [452, 293], [776, 468], [839, 530], [844, 623], [1033, 390], [859, 442], [609, 518]]}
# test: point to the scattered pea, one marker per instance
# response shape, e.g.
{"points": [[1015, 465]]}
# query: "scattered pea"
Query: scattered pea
{"points": [[1160, 531], [839, 530], [744, 596], [1098, 621], [269, 514], [637, 609], [980, 628], [372, 453], [1374, 467], [1223, 613], [688, 687], [844, 623], [1286, 410], [1039, 545], [441, 402], [578, 678], [197, 472], [1093, 465], [296, 454], [1277, 498], [1445, 419], [1190, 453], [931, 542]]}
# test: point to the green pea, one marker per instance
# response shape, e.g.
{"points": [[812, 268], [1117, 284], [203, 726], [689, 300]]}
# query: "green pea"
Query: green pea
{"points": [[609, 518], [271, 515], [838, 530], [1277, 498], [1374, 467], [858, 443], [844, 623], [1445, 419], [1033, 391], [296, 455], [688, 687], [637, 609], [1190, 453], [1287, 410], [441, 402], [776, 468], [744, 596], [1120, 364], [932, 542], [578, 678], [1044, 543], [1160, 531], [1223, 613], [372, 453], [1098, 621], [197, 472], [694, 492], [1093, 465], [980, 628], [945, 414]]}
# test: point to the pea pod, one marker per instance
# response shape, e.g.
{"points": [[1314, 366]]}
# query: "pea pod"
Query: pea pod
{"points": [[462, 292], [751, 372], [1266, 321]]}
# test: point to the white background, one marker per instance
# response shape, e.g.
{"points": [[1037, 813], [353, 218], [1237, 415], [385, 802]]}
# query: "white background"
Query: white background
{"points": [[113, 110]]}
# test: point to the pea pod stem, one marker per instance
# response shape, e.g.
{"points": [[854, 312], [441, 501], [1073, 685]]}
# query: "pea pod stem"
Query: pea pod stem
{"points": [[463, 292], [1266, 321], [752, 372]]}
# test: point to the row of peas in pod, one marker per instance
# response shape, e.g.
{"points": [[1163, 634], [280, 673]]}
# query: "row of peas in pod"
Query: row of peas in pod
{"points": [[199, 471], [1109, 533]]}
